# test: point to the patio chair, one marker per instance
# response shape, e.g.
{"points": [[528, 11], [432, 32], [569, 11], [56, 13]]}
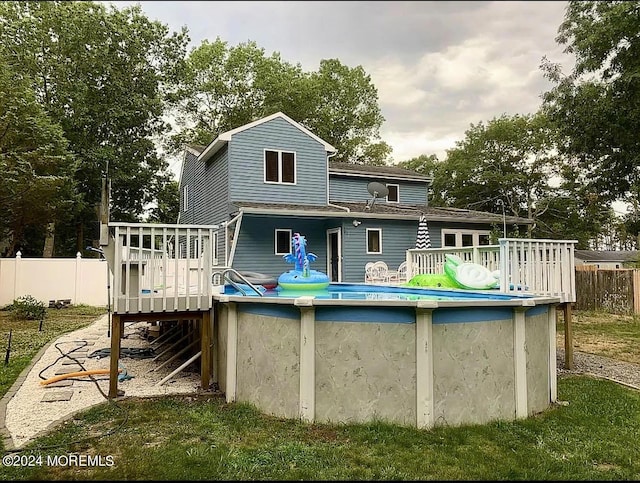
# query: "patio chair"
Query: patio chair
{"points": [[377, 272], [400, 275]]}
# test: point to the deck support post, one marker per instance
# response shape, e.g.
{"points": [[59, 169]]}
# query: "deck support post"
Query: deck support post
{"points": [[568, 335], [114, 356], [553, 367], [205, 359]]}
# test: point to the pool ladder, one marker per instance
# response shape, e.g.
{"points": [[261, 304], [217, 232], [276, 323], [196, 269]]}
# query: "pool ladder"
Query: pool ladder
{"points": [[224, 277]]}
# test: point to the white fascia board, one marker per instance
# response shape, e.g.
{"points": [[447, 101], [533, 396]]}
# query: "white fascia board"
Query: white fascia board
{"points": [[368, 174]]}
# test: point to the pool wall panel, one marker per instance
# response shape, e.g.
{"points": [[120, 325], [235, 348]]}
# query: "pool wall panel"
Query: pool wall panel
{"points": [[537, 349], [365, 371], [268, 371], [473, 372]]}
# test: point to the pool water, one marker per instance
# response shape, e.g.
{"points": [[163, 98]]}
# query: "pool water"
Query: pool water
{"points": [[349, 291]]}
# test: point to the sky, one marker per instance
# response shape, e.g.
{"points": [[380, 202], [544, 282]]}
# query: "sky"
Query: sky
{"points": [[438, 67]]}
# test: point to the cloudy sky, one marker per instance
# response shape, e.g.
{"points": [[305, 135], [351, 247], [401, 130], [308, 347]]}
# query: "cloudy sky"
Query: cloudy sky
{"points": [[437, 66]]}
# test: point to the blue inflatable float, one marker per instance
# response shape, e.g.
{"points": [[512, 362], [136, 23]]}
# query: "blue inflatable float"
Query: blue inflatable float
{"points": [[302, 277]]}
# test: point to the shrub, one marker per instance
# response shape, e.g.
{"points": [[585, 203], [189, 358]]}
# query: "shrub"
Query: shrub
{"points": [[27, 307]]}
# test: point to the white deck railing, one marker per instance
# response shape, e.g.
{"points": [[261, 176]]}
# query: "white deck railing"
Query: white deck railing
{"points": [[161, 268], [541, 267]]}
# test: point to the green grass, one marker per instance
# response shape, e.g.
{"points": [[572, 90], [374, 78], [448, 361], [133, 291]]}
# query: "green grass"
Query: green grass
{"points": [[176, 438], [594, 437], [27, 338], [604, 334]]}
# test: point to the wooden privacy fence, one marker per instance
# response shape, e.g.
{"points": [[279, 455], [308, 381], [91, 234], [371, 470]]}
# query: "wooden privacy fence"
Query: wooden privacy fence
{"points": [[616, 290]]}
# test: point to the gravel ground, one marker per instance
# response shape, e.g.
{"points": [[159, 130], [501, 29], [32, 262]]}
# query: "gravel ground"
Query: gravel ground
{"points": [[622, 372], [27, 415]]}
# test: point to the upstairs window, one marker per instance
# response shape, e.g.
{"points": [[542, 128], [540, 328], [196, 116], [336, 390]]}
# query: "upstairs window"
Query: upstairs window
{"points": [[279, 167], [394, 193]]}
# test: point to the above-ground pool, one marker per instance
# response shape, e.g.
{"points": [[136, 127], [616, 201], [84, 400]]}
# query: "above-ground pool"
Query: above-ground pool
{"points": [[409, 356]]}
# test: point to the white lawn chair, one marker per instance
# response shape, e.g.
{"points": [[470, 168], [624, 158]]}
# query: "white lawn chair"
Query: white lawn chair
{"points": [[377, 272]]}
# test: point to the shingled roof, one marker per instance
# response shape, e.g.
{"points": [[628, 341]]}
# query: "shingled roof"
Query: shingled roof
{"points": [[607, 255], [379, 210], [375, 171]]}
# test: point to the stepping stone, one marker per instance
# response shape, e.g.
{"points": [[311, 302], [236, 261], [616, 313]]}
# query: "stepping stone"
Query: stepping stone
{"points": [[57, 396], [63, 383], [67, 370], [69, 362], [90, 343]]}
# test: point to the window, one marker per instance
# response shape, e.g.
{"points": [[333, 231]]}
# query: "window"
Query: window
{"points": [[279, 167], [283, 242], [374, 240], [394, 193], [185, 198], [464, 238]]}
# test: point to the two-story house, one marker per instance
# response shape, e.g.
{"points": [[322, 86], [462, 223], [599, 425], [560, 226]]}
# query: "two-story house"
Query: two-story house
{"points": [[271, 178]]}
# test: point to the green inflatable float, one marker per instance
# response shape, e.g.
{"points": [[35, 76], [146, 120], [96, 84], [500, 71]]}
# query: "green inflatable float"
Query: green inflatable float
{"points": [[458, 274]]}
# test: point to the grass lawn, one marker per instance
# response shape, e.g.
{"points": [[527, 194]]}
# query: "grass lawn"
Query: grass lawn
{"points": [[604, 334], [27, 338], [594, 437]]}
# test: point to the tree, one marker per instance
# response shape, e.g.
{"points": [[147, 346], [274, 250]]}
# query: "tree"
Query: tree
{"points": [[596, 109], [100, 73], [346, 113], [35, 167], [508, 159], [167, 205], [224, 87]]}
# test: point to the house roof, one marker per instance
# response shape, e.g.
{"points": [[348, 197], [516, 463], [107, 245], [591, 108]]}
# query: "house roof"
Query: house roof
{"points": [[348, 169], [225, 137], [378, 211], [607, 255]]}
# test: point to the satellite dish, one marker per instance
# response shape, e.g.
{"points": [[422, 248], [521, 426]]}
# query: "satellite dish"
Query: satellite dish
{"points": [[377, 190]]}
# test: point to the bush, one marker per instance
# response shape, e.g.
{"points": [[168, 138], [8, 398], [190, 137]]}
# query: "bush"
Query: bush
{"points": [[27, 307]]}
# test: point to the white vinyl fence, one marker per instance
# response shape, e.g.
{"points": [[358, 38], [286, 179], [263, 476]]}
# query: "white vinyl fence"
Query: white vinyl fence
{"points": [[81, 280]]}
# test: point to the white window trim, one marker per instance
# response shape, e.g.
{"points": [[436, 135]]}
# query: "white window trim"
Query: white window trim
{"points": [[397, 191], [295, 166], [366, 241], [275, 241], [458, 233], [185, 198]]}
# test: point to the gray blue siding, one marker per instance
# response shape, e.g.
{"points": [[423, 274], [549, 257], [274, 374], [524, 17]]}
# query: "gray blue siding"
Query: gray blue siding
{"points": [[397, 237], [354, 189], [246, 173], [255, 251]]}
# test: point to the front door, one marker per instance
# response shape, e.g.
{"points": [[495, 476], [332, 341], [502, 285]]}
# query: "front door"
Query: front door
{"points": [[334, 254]]}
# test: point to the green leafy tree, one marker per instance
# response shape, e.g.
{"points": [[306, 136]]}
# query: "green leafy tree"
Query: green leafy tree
{"points": [[346, 113], [101, 74], [596, 108], [36, 169], [224, 87], [167, 205], [507, 160]]}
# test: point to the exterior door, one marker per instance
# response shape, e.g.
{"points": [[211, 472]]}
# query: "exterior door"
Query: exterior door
{"points": [[334, 254]]}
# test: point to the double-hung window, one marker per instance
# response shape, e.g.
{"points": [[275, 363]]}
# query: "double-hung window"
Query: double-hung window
{"points": [[282, 242], [394, 193], [279, 167], [374, 241]]}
